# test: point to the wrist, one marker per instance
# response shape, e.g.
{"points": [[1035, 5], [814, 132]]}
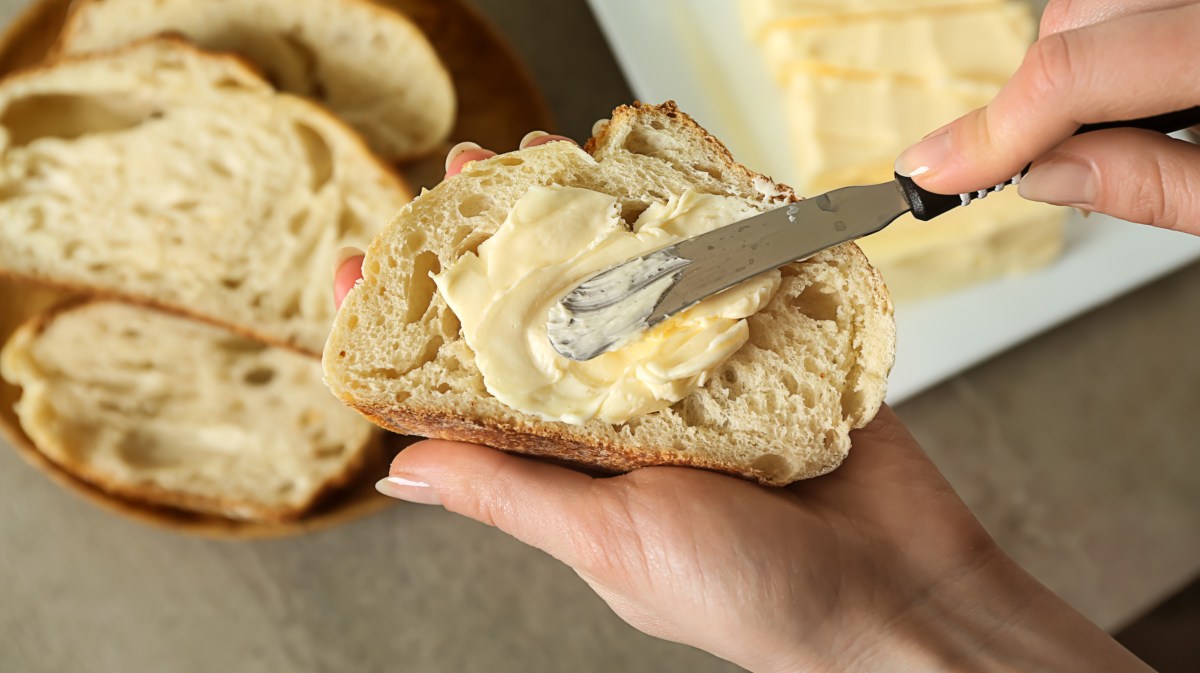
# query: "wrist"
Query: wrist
{"points": [[991, 618]]}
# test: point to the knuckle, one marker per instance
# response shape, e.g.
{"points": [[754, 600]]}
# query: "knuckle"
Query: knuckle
{"points": [[1055, 16], [1052, 66]]}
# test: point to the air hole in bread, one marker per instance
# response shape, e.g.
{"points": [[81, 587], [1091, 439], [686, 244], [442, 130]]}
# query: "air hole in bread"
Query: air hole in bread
{"points": [[70, 248], [188, 205], [471, 243], [240, 346], [413, 241], [712, 171], [390, 373], [474, 205], [352, 322], [317, 154], [292, 308], [402, 397], [641, 141], [296, 223], [852, 403], [69, 116], [307, 57], [348, 223], [819, 302], [775, 467], [329, 451], [510, 161], [631, 211], [228, 82], [729, 377], [419, 292], [442, 388], [97, 267], [430, 352], [12, 190], [259, 376], [140, 452], [232, 283]]}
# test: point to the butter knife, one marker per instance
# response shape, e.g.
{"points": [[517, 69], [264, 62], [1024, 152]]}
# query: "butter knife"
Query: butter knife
{"points": [[610, 308]]}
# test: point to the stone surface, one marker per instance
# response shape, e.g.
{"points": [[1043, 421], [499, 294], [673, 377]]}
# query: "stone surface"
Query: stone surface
{"points": [[1079, 451]]}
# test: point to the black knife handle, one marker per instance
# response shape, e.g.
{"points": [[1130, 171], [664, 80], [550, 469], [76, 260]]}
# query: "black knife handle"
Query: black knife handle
{"points": [[928, 205]]}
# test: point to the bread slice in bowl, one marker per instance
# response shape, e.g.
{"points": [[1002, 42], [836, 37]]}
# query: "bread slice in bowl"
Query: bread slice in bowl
{"points": [[164, 410], [178, 178], [779, 409], [366, 62]]}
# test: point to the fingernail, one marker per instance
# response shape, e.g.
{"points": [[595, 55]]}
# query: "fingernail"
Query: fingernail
{"points": [[408, 490], [925, 156], [599, 126], [458, 150], [1063, 181], [532, 135], [348, 252]]}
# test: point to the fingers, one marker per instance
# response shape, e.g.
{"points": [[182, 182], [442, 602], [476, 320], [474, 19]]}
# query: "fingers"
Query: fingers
{"points": [[540, 504], [1061, 15], [464, 153], [347, 269], [1135, 175], [1127, 68]]}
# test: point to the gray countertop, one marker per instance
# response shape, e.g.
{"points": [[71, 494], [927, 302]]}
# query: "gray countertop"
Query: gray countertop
{"points": [[1078, 450]]}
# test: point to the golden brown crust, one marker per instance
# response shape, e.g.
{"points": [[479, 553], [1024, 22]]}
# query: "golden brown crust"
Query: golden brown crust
{"points": [[552, 445]]}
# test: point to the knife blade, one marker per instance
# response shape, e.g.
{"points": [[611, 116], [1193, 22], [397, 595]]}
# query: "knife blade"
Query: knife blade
{"points": [[616, 304]]}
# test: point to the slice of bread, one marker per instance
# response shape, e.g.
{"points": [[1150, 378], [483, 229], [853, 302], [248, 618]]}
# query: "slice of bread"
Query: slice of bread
{"points": [[779, 410], [178, 178], [165, 410], [369, 64]]}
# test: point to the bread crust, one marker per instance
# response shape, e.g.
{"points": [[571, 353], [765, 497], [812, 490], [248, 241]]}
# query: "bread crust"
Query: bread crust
{"points": [[553, 442]]}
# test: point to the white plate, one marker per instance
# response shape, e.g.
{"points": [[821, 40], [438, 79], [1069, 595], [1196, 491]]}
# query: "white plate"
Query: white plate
{"points": [[695, 52]]}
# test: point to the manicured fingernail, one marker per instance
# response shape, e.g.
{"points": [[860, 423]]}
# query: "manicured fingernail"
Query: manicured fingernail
{"points": [[599, 127], [1063, 181], [457, 150], [531, 136], [346, 253], [925, 156], [409, 490]]}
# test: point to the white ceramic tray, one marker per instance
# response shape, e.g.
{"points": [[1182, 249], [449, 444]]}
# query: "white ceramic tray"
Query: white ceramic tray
{"points": [[695, 52]]}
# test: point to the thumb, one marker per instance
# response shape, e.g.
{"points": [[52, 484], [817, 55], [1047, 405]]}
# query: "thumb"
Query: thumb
{"points": [[546, 506]]}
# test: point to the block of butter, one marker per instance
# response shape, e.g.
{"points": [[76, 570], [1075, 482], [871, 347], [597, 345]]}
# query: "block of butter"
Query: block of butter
{"points": [[1002, 235], [761, 16], [984, 42], [849, 130]]}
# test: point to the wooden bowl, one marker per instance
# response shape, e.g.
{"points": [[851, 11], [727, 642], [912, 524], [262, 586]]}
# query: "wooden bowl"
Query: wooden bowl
{"points": [[498, 103]]}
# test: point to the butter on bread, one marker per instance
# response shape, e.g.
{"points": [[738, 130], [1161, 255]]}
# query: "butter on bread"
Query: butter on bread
{"points": [[178, 178], [367, 62], [164, 410], [780, 409]]}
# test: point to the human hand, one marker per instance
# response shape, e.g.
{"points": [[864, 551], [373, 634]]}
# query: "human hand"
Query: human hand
{"points": [[1096, 61], [877, 566]]}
